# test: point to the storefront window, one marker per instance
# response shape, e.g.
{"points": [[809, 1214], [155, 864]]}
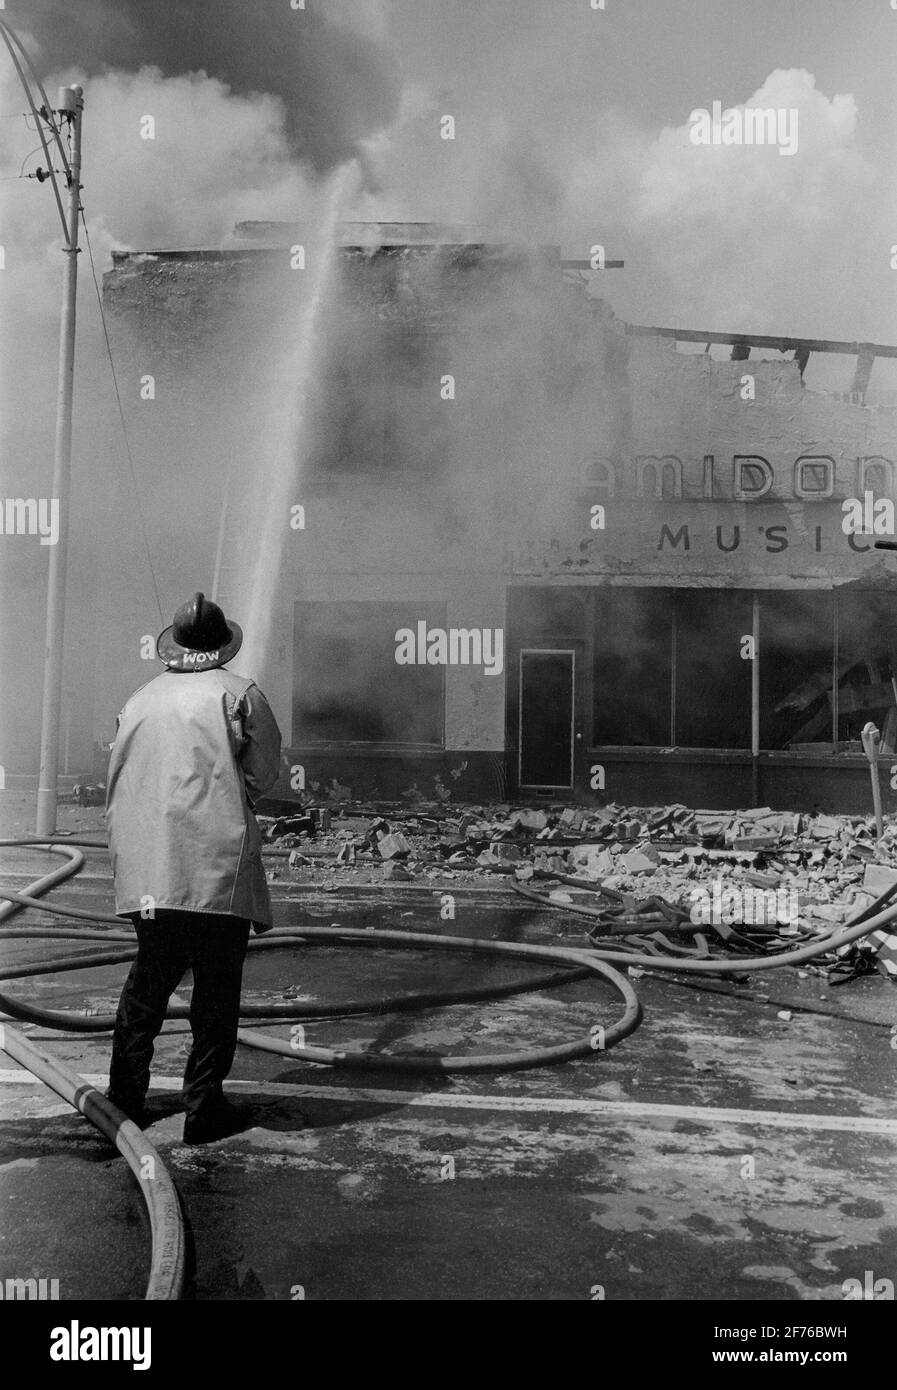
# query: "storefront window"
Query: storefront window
{"points": [[712, 677], [632, 635], [348, 687]]}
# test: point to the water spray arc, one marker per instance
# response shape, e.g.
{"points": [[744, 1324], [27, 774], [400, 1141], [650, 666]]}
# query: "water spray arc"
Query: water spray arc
{"points": [[281, 472]]}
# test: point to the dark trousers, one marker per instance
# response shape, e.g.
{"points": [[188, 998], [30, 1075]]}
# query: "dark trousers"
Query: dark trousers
{"points": [[213, 948]]}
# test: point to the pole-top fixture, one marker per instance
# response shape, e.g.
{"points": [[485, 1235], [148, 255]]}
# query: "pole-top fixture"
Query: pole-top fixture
{"points": [[68, 100]]}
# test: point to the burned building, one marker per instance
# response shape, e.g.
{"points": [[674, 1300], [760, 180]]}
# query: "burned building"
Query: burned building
{"points": [[526, 549]]}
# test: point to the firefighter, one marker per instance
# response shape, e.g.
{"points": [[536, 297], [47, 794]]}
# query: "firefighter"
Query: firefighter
{"points": [[195, 749]]}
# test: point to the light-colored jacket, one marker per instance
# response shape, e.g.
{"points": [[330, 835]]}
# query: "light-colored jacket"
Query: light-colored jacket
{"points": [[193, 753]]}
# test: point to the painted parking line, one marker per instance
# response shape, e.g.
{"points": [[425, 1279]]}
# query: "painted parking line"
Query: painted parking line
{"points": [[632, 1111]]}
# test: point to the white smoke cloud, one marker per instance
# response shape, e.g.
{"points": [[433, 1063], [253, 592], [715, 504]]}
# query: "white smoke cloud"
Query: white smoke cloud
{"points": [[678, 180], [730, 237], [738, 237], [216, 159]]}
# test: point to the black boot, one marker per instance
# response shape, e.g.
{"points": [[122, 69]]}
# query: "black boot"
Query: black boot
{"points": [[217, 1122]]}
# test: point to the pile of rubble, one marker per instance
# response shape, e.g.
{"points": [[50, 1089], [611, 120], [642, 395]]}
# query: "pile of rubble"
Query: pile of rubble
{"points": [[830, 865]]}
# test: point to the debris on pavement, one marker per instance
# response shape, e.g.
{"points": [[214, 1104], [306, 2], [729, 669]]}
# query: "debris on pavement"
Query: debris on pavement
{"points": [[773, 878]]}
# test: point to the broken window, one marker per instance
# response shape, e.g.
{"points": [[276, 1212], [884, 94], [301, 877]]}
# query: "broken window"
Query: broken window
{"points": [[347, 685], [796, 643], [827, 662], [867, 667]]}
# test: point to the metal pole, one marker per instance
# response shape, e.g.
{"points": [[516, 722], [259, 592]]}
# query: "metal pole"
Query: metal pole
{"points": [[871, 741], [71, 106], [836, 668]]}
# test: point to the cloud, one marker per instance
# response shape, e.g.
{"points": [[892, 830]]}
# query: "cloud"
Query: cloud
{"points": [[737, 236], [216, 158], [679, 180]]}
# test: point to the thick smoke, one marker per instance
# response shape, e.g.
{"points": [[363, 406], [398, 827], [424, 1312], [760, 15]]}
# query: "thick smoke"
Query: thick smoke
{"points": [[252, 103], [337, 83]]}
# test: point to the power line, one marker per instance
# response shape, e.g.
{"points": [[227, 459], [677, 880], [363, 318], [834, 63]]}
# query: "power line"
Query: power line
{"points": [[26, 159], [121, 414], [8, 36], [40, 175]]}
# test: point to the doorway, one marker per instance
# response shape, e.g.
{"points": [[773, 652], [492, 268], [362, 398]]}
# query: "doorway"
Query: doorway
{"points": [[549, 733]]}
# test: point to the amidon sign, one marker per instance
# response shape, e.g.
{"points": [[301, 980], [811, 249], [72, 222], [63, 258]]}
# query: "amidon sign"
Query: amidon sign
{"points": [[811, 477]]}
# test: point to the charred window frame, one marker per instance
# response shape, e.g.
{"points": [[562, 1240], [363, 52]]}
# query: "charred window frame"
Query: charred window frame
{"points": [[864, 665]]}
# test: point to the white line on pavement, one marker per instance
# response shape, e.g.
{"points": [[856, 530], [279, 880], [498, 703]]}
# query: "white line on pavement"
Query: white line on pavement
{"points": [[632, 1111]]}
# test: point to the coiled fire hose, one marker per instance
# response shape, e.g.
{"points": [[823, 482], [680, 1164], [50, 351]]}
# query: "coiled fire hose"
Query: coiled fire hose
{"points": [[167, 1266]]}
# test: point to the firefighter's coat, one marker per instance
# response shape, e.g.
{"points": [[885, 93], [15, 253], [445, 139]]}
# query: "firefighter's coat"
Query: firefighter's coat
{"points": [[193, 752]]}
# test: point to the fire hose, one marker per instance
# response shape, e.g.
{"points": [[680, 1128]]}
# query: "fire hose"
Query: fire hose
{"points": [[869, 919], [167, 1263]]}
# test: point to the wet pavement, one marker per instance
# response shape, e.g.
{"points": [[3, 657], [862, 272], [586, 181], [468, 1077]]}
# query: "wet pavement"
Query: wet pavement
{"points": [[719, 1152]]}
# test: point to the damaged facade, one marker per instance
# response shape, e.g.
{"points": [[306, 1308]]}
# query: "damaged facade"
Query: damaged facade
{"points": [[637, 551]]}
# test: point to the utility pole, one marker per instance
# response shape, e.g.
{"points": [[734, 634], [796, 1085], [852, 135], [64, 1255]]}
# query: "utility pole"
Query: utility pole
{"points": [[71, 105]]}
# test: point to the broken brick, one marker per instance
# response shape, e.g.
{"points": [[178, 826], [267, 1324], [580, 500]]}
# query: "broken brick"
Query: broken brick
{"points": [[750, 843], [637, 863], [878, 877], [394, 872], [393, 846], [503, 850]]}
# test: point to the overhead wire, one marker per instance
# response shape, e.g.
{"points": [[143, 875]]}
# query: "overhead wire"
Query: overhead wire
{"points": [[8, 36]]}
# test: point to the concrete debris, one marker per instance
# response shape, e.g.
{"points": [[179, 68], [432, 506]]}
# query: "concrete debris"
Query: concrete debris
{"points": [[394, 872], [500, 857], [393, 846], [878, 877], [807, 873], [635, 862]]}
